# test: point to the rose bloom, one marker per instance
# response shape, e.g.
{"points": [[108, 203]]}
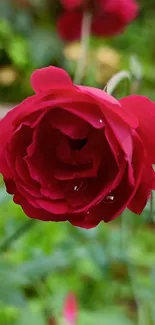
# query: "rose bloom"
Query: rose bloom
{"points": [[109, 17], [75, 153]]}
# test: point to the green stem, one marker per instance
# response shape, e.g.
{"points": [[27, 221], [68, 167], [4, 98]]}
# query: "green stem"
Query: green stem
{"points": [[85, 35], [7, 242]]}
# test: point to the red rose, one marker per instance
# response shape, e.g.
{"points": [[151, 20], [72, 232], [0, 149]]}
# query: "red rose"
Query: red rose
{"points": [[110, 17], [75, 153]]}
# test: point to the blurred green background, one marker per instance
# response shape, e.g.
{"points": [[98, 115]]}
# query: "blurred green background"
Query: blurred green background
{"points": [[110, 268]]}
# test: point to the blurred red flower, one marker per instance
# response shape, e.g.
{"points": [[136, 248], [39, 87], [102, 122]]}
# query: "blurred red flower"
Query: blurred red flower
{"points": [[110, 17], [70, 309]]}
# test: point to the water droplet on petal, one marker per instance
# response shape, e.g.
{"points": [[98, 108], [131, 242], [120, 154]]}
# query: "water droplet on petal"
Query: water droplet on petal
{"points": [[101, 121], [87, 213], [81, 187], [109, 199]]}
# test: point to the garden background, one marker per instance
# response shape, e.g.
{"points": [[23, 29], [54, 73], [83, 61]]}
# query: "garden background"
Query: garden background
{"points": [[111, 268]]}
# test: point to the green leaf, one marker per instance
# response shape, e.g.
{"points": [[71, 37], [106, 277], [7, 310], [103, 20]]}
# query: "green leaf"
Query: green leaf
{"points": [[5, 30], [45, 265], [11, 282], [146, 314], [11, 295], [18, 51], [4, 196], [23, 22], [45, 47], [6, 9], [11, 274], [31, 317], [97, 252], [108, 316]]}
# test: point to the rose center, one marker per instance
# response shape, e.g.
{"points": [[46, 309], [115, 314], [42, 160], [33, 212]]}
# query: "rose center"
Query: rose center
{"points": [[77, 144]]}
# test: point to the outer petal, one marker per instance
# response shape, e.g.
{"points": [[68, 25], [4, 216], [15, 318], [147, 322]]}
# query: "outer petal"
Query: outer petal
{"points": [[110, 106], [37, 213], [144, 110], [51, 77], [64, 98], [54, 207], [7, 124], [144, 190], [5, 135]]}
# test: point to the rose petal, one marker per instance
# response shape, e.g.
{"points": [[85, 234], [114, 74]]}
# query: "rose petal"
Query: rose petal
{"points": [[82, 163], [107, 210], [67, 100], [110, 107], [54, 207], [86, 224], [23, 191], [63, 172], [63, 151], [85, 193], [113, 143], [124, 137], [53, 192], [17, 146], [10, 186], [5, 136], [46, 79], [41, 159], [37, 213], [69, 124], [143, 193], [23, 177], [123, 194], [144, 110], [89, 112]]}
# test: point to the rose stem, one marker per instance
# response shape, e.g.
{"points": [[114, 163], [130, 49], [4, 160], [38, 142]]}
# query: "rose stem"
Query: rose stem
{"points": [[17, 234], [85, 36]]}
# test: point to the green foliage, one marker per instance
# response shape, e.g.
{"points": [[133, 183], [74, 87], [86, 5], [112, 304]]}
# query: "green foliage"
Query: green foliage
{"points": [[51, 259]]}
